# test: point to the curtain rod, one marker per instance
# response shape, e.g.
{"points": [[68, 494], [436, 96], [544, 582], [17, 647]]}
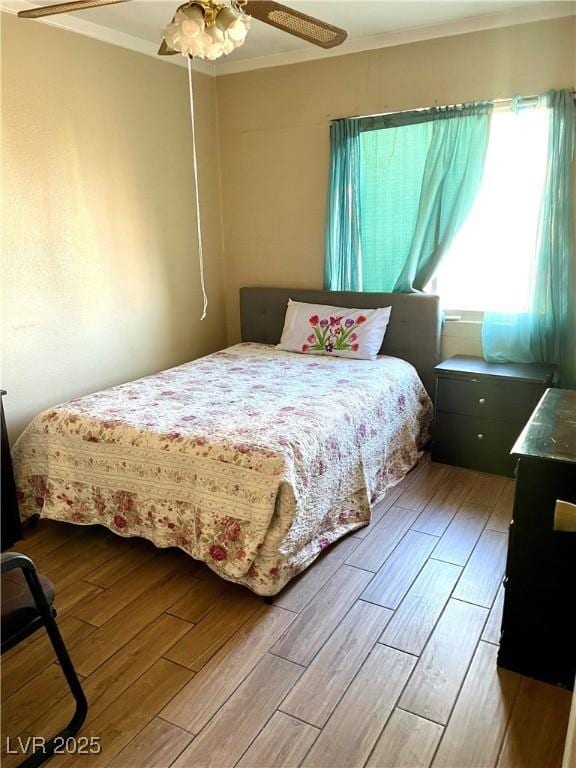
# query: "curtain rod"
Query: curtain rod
{"points": [[526, 101]]}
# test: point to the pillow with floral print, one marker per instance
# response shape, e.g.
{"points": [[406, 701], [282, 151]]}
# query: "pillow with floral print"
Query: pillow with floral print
{"points": [[316, 329]]}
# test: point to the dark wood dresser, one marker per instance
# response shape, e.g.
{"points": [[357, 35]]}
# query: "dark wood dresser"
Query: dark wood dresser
{"points": [[9, 516], [538, 626], [481, 409]]}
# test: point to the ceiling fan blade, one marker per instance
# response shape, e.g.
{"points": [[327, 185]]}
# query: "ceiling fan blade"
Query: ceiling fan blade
{"points": [[296, 23], [165, 50], [51, 10]]}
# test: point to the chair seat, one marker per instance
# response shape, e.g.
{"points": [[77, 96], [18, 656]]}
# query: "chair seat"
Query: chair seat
{"points": [[18, 607]]}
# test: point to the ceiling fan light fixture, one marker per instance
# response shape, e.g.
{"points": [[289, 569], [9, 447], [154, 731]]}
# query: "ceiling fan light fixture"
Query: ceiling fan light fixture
{"points": [[225, 18], [207, 30], [187, 24], [238, 30]]}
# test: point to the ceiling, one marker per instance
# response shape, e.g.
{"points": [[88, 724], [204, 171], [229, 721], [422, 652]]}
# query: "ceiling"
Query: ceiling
{"points": [[370, 24]]}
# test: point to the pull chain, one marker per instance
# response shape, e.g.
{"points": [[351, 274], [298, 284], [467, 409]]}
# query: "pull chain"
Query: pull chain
{"points": [[197, 191]]}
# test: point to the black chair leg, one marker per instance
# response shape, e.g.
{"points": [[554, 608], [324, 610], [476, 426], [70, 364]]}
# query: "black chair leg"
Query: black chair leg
{"points": [[39, 757]]}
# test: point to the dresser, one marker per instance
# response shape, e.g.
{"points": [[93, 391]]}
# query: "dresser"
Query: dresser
{"points": [[9, 516], [538, 626], [481, 409]]}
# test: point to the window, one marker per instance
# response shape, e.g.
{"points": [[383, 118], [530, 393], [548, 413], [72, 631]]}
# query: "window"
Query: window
{"points": [[491, 261], [475, 196]]}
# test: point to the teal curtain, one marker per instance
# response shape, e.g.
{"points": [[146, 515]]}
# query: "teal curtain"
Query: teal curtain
{"points": [[547, 331], [400, 188], [343, 262], [452, 178], [393, 163]]}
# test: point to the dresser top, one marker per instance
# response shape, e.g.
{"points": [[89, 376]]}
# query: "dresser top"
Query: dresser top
{"points": [[465, 365], [551, 431]]}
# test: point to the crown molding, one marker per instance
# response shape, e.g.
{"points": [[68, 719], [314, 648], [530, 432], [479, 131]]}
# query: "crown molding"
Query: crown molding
{"points": [[74, 23], [540, 11]]}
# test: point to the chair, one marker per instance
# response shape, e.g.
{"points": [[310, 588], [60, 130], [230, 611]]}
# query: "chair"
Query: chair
{"points": [[27, 605]]}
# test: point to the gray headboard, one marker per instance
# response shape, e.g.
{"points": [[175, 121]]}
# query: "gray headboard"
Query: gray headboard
{"points": [[413, 333]]}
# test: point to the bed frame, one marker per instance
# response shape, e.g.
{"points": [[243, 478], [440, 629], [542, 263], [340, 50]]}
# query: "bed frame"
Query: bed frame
{"points": [[413, 332]]}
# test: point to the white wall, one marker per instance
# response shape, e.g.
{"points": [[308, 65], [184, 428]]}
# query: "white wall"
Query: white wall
{"points": [[100, 280]]}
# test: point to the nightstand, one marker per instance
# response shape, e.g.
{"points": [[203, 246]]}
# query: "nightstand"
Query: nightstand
{"points": [[481, 408]]}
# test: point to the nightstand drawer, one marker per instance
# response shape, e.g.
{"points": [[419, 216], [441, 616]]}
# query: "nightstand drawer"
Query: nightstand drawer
{"points": [[468, 441], [490, 400]]}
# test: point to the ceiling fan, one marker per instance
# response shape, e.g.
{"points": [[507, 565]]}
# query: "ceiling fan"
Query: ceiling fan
{"points": [[209, 29]]}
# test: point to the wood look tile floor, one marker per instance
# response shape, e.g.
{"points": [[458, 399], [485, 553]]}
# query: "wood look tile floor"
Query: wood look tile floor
{"points": [[382, 654]]}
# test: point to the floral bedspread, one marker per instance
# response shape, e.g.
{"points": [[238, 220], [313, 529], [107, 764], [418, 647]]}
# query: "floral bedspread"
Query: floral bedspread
{"points": [[251, 459]]}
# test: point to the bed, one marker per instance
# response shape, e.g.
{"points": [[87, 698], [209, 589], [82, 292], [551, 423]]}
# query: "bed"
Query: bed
{"points": [[252, 460]]}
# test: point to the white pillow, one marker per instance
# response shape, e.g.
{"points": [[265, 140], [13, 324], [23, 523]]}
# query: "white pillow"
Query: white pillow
{"points": [[317, 329]]}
